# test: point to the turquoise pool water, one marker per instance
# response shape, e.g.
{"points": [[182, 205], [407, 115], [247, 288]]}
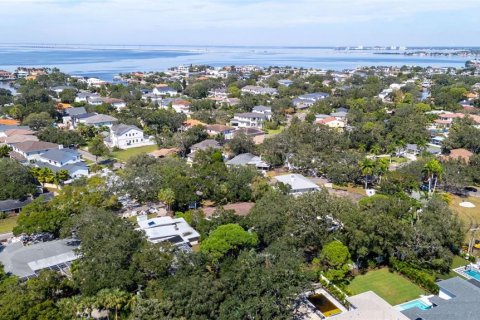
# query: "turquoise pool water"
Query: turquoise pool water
{"points": [[474, 274], [414, 304]]}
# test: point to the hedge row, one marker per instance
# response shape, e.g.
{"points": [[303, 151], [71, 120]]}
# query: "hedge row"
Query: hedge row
{"points": [[418, 276]]}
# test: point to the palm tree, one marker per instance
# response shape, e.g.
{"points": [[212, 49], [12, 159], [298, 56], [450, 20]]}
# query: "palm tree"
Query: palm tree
{"points": [[113, 299], [432, 170], [167, 196], [61, 176], [382, 167], [368, 167], [375, 149]]}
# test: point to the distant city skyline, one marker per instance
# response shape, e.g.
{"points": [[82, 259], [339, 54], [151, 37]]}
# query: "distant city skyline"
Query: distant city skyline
{"points": [[242, 22]]}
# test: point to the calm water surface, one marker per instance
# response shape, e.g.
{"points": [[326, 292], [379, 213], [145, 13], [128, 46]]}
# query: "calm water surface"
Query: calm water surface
{"points": [[107, 61]]}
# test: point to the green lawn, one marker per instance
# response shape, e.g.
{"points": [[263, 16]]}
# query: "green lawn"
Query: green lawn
{"points": [[124, 155], [392, 287], [457, 262], [276, 131], [7, 224]]}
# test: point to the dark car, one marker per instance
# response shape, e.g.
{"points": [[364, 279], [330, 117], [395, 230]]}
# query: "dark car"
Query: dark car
{"points": [[471, 189]]}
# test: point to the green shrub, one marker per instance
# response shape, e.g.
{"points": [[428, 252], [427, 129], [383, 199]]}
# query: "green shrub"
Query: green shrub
{"points": [[415, 274]]}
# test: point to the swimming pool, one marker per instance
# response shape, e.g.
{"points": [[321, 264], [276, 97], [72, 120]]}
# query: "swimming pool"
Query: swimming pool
{"points": [[413, 304], [474, 274]]}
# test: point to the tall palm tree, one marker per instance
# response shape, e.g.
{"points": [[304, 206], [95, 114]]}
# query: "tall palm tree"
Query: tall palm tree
{"points": [[432, 171], [381, 167], [368, 168]]}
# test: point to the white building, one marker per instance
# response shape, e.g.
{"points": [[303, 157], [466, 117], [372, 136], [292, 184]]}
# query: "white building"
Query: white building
{"points": [[298, 184], [259, 90], [248, 120], [164, 91], [175, 230], [126, 136]]}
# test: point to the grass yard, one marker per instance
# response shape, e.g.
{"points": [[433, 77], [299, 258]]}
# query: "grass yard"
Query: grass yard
{"points": [[275, 131], [469, 216], [457, 262], [124, 155], [392, 287], [7, 224]]}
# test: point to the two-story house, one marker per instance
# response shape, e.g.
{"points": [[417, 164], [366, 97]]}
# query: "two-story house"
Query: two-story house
{"points": [[164, 91], [248, 119], [126, 136]]}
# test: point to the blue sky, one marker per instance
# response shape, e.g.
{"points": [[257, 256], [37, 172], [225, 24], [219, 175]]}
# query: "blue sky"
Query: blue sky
{"points": [[242, 22]]}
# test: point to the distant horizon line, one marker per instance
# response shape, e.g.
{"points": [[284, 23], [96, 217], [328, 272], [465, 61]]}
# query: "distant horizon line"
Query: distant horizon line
{"points": [[242, 46]]}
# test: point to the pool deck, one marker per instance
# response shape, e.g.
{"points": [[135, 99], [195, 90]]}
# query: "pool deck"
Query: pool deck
{"points": [[424, 299], [461, 271]]}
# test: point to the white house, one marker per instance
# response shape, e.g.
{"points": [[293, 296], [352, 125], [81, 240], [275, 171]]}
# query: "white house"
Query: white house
{"points": [[259, 90], [95, 119], [126, 136], [118, 104], [267, 111], [174, 230], [164, 91], [31, 150], [181, 106], [248, 119], [60, 157], [298, 184]]}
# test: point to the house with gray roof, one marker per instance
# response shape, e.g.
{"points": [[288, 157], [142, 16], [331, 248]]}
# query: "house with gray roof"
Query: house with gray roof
{"points": [[26, 261], [267, 111], [307, 100], [11, 206], [60, 157], [248, 159], [259, 90], [203, 145], [75, 170], [96, 120], [457, 299], [297, 183], [164, 91]]}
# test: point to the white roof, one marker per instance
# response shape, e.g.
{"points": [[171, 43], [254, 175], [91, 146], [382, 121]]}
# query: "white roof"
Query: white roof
{"points": [[297, 182], [368, 306], [165, 228]]}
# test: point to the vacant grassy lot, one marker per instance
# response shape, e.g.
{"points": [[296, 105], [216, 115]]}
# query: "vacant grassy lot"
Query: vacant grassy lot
{"points": [[469, 216], [7, 224], [392, 287], [124, 155]]}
